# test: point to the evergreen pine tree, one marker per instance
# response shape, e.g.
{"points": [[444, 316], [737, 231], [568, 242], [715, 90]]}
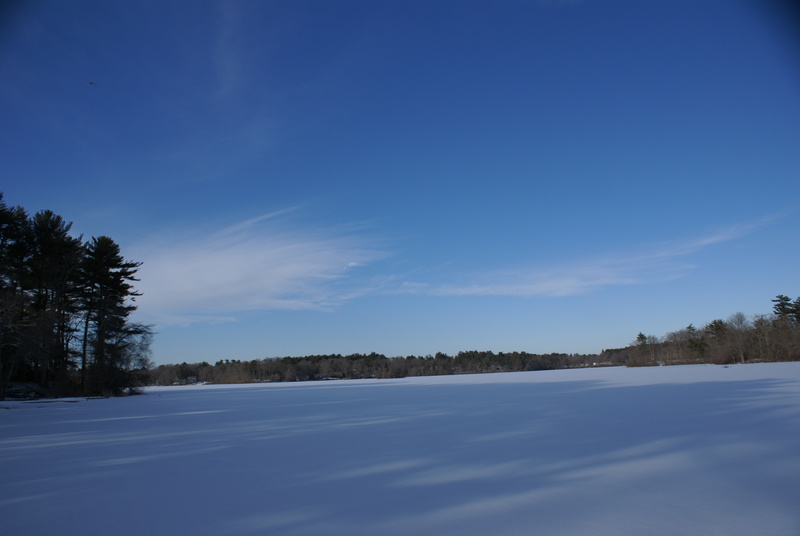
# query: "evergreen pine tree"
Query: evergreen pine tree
{"points": [[107, 300]]}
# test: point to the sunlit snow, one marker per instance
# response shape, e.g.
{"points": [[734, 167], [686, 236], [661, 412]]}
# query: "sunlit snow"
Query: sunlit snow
{"points": [[705, 450]]}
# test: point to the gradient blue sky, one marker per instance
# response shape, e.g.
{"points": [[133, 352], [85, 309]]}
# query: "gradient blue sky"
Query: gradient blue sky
{"points": [[409, 177]]}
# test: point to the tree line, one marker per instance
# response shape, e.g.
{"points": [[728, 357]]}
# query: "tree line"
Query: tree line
{"points": [[64, 310], [359, 366], [65, 329], [739, 339]]}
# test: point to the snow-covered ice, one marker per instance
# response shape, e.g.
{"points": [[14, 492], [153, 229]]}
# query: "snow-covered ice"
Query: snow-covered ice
{"points": [[704, 450]]}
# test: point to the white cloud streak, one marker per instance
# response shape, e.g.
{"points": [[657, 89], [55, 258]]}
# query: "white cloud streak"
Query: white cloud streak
{"points": [[227, 53], [661, 262], [258, 265], [253, 265]]}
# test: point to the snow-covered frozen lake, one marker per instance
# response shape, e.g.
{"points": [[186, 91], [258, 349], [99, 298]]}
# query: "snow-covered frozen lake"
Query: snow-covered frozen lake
{"points": [[704, 450]]}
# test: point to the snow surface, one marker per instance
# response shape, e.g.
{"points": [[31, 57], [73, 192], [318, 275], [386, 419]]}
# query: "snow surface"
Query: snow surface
{"points": [[704, 450]]}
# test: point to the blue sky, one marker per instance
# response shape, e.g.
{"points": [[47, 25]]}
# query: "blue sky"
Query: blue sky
{"points": [[304, 177]]}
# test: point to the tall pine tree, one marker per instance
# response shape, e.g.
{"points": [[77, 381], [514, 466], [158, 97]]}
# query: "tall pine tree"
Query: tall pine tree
{"points": [[54, 287], [108, 294]]}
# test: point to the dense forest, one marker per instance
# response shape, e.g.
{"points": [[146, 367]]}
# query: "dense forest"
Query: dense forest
{"points": [[64, 308], [772, 337]]}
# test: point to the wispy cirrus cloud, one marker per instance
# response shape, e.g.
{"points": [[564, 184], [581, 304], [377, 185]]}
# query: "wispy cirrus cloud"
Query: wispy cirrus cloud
{"points": [[659, 262], [261, 264], [256, 264]]}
